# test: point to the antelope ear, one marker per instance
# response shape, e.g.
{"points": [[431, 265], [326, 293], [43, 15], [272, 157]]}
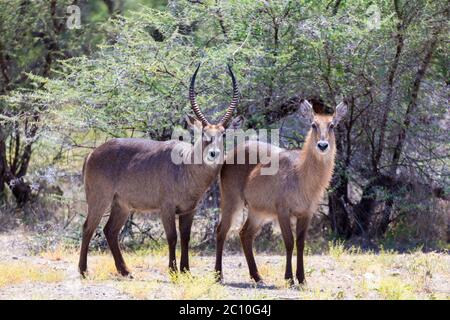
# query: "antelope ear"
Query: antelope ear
{"points": [[306, 110], [193, 122], [236, 123], [340, 112]]}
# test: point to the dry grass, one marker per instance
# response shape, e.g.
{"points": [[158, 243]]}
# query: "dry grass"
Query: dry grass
{"points": [[12, 273], [60, 253], [393, 276], [188, 287], [341, 273], [140, 290], [393, 288], [101, 266]]}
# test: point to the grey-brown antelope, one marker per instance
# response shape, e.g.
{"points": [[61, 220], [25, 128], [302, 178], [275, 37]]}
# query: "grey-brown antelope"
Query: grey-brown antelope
{"points": [[290, 195], [139, 174]]}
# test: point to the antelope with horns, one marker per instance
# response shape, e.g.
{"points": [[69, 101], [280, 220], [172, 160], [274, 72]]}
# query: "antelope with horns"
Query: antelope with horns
{"points": [[139, 174], [292, 194]]}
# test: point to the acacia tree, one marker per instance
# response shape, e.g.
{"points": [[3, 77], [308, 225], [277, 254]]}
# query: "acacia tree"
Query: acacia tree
{"points": [[392, 72], [33, 37], [403, 136]]}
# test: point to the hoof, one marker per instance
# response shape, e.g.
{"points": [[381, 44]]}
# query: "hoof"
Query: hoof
{"points": [[290, 282], [259, 282], [83, 273], [219, 277], [126, 274], [256, 277]]}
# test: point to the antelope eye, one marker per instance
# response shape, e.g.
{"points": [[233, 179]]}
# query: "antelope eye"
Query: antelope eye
{"points": [[331, 126], [314, 126]]}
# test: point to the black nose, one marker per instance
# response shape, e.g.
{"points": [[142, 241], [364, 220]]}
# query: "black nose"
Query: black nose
{"points": [[322, 146]]}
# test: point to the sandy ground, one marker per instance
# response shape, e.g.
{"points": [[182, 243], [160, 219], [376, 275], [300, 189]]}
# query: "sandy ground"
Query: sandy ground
{"points": [[337, 275]]}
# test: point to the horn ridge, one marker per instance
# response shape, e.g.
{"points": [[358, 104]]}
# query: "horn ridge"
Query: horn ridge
{"points": [[234, 101], [199, 114]]}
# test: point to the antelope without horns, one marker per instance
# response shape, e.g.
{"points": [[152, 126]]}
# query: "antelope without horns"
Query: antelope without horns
{"points": [[292, 194], [138, 174]]}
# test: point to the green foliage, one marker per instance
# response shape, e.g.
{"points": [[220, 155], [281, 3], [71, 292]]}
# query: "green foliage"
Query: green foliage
{"points": [[126, 73], [139, 82]]}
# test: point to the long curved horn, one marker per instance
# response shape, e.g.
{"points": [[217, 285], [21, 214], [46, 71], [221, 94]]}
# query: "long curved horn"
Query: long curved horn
{"points": [[234, 102], [194, 105]]}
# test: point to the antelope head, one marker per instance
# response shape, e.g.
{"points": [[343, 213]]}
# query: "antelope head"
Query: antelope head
{"points": [[212, 134], [322, 127]]}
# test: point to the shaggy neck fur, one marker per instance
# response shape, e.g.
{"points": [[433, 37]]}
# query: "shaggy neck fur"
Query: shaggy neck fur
{"points": [[314, 170], [202, 174]]}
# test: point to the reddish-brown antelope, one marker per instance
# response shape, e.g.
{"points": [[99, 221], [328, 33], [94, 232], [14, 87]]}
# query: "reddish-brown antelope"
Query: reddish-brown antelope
{"points": [[293, 193], [139, 174]]}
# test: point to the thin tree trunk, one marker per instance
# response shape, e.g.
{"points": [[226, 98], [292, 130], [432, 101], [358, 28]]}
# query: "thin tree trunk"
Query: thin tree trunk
{"points": [[338, 210], [390, 90], [3, 164], [401, 137], [338, 201]]}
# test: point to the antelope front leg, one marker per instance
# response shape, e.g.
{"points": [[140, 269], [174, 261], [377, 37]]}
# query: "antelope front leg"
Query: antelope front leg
{"points": [[302, 227], [168, 220], [185, 224], [286, 231]]}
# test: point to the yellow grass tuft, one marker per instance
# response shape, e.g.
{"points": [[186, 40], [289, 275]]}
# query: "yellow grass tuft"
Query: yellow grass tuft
{"points": [[189, 287], [316, 294], [392, 288], [345, 273], [12, 273], [336, 249], [273, 274], [101, 268], [139, 289], [422, 267], [60, 253]]}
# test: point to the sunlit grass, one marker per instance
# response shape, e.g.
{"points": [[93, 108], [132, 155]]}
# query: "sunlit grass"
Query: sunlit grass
{"points": [[60, 253], [343, 273], [336, 249], [101, 266], [139, 289], [392, 288], [316, 294], [187, 286], [422, 267], [273, 274], [12, 273]]}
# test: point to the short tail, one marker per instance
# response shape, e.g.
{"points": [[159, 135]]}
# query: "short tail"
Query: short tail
{"points": [[84, 167]]}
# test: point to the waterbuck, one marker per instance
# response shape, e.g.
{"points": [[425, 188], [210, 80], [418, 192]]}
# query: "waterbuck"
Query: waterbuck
{"points": [[292, 194], [139, 174]]}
